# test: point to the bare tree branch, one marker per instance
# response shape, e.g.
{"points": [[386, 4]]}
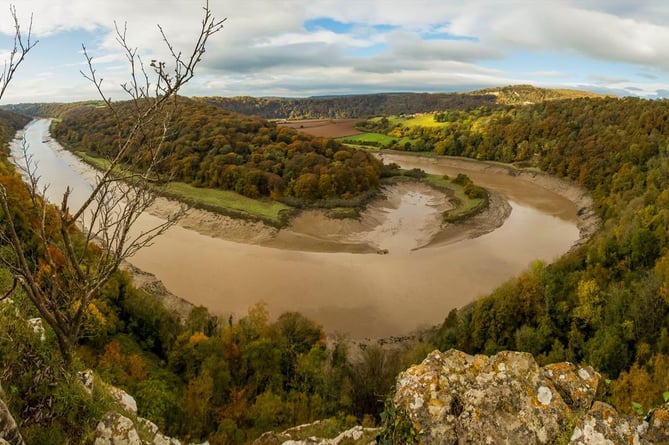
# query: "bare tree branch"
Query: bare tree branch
{"points": [[21, 48], [70, 266]]}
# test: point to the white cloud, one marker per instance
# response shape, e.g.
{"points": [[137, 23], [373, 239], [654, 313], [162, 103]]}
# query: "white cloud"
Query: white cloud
{"points": [[265, 47]]}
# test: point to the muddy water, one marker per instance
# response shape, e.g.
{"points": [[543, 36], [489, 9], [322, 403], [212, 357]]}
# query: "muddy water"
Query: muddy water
{"points": [[364, 295]]}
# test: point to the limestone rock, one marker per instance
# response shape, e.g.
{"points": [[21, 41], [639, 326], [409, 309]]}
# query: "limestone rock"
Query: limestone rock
{"points": [[37, 327], [124, 399], [87, 379], [148, 426], [658, 426], [577, 386], [453, 397], [9, 430], [602, 425], [115, 429], [456, 398], [161, 439], [355, 435]]}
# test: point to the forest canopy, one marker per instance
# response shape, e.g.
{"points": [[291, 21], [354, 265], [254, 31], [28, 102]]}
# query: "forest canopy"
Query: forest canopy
{"points": [[210, 147]]}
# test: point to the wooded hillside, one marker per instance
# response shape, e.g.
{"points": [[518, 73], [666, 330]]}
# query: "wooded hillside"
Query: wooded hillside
{"points": [[208, 146], [355, 106], [607, 303]]}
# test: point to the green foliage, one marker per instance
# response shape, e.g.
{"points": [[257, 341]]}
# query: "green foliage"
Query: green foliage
{"points": [[357, 106], [606, 303], [47, 401], [396, 427], [524, 94], [158, 401], [212, 148]]}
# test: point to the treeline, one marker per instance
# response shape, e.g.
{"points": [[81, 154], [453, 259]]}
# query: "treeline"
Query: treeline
{"points": [[10, 123], [529, 94], [607, 303], [228, 380], [211, 147], [354, 106]]}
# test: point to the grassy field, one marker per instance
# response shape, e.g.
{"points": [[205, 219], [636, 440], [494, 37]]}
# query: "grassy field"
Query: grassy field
{"points": [[378, 140], [465, 206], [219, 201], [98, 163], [421, 120], [227, 202]]}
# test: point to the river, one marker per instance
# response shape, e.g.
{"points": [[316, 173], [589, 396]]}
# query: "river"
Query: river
{"points": [[361, 295]]}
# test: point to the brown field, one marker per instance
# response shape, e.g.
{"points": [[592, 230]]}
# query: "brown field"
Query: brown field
{"points": [[329, 128]]}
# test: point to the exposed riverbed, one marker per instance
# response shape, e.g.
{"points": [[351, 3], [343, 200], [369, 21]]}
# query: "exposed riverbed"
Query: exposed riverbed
{"points": [[363, 295]]}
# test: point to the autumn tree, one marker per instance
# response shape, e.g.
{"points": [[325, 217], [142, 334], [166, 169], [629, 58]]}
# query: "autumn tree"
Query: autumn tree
{"points": [[77, 247]]}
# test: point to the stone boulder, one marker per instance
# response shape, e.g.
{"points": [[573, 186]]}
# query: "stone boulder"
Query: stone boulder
{"points": [[453, 397], [658, 426], [357, 435], [577, 385], [9, 430], [124, 399], [116, 429], [603, 425], [456, 398]]}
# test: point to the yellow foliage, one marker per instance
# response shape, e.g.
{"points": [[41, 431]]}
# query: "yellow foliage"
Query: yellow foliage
{"points": [[590, 301], [662, 272], [642, 384], [95, 314], [137, 367], [396, 133], [197, 338]]}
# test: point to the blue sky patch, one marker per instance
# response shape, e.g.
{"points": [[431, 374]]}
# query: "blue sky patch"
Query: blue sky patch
{"points": [[328, 24], [437, 33], [367, 51]]}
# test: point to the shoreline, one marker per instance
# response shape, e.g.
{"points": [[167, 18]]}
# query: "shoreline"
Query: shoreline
{"points": [[313, 231], [587, 220]]}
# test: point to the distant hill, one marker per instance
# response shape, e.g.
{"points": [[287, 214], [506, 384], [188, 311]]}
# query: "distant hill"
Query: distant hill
{"points": [[210, 147], [528, 94], [347, 107], [360, 106]]}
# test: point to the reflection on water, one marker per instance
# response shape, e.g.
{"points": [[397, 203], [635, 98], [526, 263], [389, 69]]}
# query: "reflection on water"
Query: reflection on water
{"points": [[363, 295]]}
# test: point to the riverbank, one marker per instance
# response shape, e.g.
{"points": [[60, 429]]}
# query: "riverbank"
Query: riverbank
{"points": [[313, 231], [406, 216], [587, 220]]}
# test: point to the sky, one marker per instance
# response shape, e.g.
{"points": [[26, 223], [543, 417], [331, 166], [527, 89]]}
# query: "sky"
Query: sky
{"points": [[301, 48]]}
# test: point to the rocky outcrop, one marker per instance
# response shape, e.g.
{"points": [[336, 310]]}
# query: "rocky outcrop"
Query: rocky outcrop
{"points": [[123, 429], [116, 429], [9, 431], [300, 435], [456, 398]]}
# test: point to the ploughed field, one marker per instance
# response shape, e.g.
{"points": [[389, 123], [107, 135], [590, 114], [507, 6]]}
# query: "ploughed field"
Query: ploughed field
{"points": [[328, 128]]}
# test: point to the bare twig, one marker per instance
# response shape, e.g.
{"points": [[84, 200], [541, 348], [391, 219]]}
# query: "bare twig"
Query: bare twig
{"points": [[70, 268]]}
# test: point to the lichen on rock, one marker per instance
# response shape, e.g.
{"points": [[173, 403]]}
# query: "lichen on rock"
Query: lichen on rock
{"points": [[456, 398]]}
